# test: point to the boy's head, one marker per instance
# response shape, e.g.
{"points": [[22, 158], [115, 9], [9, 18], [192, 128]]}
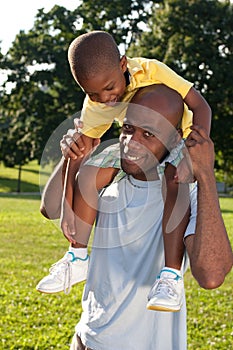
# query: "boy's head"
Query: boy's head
{"points": [[97, 67], [149, 131]]}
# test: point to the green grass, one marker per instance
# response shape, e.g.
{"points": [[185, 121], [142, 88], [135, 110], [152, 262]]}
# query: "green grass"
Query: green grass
{"points": [[29, 244], [210, 317], [31, 176]]}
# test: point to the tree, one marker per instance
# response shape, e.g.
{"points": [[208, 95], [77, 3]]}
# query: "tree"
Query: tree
{"points": [[121, 18], [44, 92], [192, 37], [195, 38]]}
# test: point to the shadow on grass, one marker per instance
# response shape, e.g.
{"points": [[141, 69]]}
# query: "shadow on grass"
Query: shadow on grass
{"points": [[227, 211], [15, 195], [41, 172], [10, 185]]}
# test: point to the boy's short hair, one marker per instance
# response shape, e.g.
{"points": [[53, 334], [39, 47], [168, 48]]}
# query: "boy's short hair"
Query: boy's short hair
{"points": [[92, 53]]}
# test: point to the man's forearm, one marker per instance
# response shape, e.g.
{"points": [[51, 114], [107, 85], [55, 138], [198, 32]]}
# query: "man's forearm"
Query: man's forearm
{"points": [[70, 173], [211, 256], [52, 193]]}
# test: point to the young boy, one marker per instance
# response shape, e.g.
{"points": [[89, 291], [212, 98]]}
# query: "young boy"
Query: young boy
{"points": [[108, 79]]}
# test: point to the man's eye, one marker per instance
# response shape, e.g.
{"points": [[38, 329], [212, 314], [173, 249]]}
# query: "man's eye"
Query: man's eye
{"points": [[148, 134], [127, 127]]}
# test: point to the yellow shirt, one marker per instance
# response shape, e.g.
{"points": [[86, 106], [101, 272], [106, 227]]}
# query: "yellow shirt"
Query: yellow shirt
{"points": [[97, 117]]}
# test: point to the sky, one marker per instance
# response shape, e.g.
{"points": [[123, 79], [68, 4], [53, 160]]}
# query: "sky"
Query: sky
{"points": [[16, 15]]}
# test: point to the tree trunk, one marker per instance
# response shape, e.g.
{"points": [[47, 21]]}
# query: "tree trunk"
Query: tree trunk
{"points": [[19, 179]]}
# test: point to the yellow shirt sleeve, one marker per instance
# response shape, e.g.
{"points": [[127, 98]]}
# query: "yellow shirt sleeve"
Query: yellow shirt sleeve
{"points": [[156, 72]]}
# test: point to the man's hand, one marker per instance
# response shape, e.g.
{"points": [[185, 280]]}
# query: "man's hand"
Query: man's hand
{"points": [[74, 144], [201, 151]]}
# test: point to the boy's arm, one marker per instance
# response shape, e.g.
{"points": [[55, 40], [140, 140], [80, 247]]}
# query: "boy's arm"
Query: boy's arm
{"points": [[200, 108], [209, 248]]}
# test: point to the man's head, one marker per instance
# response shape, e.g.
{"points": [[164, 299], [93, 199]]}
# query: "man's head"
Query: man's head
{"points": [[150, 130], [96, 65]]}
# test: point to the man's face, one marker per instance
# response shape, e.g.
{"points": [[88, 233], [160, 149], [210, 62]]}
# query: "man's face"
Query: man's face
{"points": [[107, 87], [145, 139]]}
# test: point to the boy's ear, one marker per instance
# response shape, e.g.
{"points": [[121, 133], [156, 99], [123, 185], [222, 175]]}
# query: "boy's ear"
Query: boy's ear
{"points": [[123, 63]]}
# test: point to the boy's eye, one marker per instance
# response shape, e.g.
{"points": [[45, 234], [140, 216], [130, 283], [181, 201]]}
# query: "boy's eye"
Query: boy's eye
{"points": [[109, 88]]}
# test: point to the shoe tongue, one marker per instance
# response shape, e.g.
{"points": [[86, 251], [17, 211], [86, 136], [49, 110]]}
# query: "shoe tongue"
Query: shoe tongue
{"points": [[69, 256], [168, 274]]}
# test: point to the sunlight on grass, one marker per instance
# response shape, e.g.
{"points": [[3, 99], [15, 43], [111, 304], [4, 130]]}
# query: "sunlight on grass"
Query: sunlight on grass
{"points": [[29, 178], [29, 244]]}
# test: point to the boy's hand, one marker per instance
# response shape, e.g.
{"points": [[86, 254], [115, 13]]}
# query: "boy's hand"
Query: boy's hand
{"points": [[201, 151], [74, 144]]}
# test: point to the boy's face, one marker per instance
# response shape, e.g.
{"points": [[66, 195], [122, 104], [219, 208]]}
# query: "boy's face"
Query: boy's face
{"points": [[107, 87]]}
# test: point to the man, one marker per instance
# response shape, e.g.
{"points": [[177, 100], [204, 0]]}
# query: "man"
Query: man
{"points": [[128, 252]]}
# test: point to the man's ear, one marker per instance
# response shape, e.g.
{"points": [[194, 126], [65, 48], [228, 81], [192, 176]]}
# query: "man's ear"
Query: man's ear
{"points": [[123, 63], [180, 132]]}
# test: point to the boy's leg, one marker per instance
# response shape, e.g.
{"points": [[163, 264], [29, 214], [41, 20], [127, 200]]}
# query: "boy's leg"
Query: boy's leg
{"points": [[167, 292], [72, 268], [90, 181], [175, 217], [77, 344]]}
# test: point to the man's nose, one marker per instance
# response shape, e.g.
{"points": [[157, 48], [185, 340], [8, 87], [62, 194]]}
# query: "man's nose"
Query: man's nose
{"points": [[134, 142]]}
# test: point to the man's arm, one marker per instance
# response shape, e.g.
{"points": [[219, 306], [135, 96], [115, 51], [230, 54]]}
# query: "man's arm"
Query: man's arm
{"points": [[209, 249], [73, 145], [52, 194]]}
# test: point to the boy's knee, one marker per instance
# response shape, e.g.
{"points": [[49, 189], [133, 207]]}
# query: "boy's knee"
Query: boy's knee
{"points": [[87, 178], [169, 172], [95, 178]]}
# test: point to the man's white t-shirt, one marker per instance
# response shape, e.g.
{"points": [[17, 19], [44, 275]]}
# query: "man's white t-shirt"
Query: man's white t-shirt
{"points": [[126, 257]]}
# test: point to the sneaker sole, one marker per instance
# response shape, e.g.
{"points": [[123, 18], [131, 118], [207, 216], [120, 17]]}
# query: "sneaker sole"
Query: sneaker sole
{"points": [[46, 291], [163, 308]]}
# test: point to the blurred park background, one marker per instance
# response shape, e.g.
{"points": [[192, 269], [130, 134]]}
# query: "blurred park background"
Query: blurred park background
{"points": [[38, 93]]}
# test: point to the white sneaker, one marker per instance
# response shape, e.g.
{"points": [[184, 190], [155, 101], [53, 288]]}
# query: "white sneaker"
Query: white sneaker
{"points": [[63, 274], [167, 292]]}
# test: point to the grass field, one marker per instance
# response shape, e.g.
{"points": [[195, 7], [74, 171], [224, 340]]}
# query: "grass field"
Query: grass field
{"points": [[29, 178], [29, 244]]}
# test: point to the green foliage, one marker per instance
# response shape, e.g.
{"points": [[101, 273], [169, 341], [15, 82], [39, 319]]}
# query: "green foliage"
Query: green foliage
{"points": [[29, 244], [119, 18], [195, 38], [44, 93]]}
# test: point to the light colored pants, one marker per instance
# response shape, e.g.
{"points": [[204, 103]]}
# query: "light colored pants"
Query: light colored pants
{"points": [[77, 344]]}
